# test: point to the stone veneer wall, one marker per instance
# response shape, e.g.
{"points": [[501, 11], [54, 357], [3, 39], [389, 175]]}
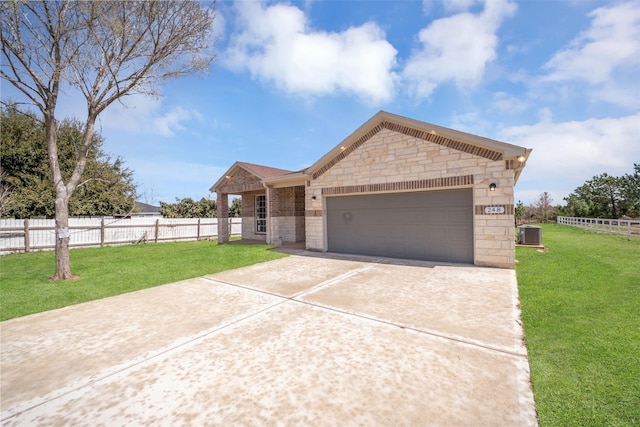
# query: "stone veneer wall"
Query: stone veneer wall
{"points": [[391, 161], [286, 214]]}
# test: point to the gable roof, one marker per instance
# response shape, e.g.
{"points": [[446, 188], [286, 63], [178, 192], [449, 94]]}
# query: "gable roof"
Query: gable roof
{"points": [[259, 171], [457, 140], [146, 208], [461, 141], [263, 171]]}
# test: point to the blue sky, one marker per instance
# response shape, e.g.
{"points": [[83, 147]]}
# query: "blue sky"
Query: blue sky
{"points": [[291, 80]]}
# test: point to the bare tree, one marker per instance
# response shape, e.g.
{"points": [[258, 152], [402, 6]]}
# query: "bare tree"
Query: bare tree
{"points": [[543, 205], [105, 50]]}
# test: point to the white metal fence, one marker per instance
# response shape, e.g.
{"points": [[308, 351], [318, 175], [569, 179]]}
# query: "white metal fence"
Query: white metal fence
{"points": [[623, 227], [25, 235]]}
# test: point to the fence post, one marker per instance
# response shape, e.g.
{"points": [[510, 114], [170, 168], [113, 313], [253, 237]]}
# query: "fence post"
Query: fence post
{"points": [[157, 230], [198, 234], [102, 232], [27, 243]]}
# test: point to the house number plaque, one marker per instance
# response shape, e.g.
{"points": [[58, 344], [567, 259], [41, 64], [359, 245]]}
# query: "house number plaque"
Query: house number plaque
{"points": [[494, 210]]}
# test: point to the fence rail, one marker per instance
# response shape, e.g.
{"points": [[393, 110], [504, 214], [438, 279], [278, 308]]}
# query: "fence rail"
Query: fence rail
{"points": [[623, 227], [17, 235]]}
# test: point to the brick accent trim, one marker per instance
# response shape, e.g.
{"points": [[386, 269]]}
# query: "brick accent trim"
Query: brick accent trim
{"points": [[508, 209], [421, 184], [344, 153], [313, 212], [415, 133], [444, 141]]}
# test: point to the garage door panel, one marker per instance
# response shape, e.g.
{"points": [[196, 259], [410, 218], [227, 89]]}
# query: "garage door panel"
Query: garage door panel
{"points": [[431, 225], [413, 216], [460, 216], [458, 235], [438, 235]]}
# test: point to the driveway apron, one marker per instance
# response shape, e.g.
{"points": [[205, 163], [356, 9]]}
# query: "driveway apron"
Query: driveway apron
{"points": [[311, 339]]}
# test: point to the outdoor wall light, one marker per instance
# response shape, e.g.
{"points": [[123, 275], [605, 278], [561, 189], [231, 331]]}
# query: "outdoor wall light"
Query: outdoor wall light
{"points": [[313, 197], [492, 186], [521, 158]]}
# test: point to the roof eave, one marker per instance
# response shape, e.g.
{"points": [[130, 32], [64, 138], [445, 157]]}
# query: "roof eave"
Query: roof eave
{"points": [[224, 176], [507, 150], [297, 178], [520, 168], [373, 121]]}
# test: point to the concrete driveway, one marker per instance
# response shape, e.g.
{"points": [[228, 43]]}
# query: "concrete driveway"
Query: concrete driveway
{"points": [[312, 339]]}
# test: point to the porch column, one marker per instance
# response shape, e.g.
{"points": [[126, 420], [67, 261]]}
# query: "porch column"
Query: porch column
{"points": [[223, 217]]}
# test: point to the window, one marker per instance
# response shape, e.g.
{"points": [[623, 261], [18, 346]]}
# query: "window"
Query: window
{"points": [[261, 214]]}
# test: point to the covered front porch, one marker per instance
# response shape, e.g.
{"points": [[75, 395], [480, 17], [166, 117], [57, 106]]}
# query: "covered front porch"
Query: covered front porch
{"points": [[272, 214]]}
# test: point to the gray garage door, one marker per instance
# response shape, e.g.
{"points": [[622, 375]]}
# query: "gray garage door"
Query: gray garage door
{"points": [[426, 225]]}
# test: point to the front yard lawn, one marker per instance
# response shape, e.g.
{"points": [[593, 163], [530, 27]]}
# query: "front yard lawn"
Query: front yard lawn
{"points": [[25, 288], [581, 312]]}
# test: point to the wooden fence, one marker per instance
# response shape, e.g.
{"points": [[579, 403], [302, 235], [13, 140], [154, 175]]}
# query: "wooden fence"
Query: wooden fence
{"points": [[17, 235], [623, 227]]}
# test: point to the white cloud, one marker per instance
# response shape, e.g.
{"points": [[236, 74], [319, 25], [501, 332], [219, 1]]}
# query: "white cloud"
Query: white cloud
{"points": [[276, 44], [173, 121], [457, 48], [450, 5], [142, 114], [472, 122], [507, 103], [605, 57], [459, 5], [567, 154], [612, 41]]}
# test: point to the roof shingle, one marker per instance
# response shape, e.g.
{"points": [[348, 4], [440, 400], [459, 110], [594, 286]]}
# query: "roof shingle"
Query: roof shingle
{"points": [[264, 171]]}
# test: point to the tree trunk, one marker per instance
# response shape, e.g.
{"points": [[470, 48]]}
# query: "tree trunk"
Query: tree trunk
{"points": [[63, 261]]}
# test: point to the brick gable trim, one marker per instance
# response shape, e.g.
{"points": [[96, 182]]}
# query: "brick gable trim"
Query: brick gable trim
{"points": [[444, 141], [348, 150], [414, 133]]}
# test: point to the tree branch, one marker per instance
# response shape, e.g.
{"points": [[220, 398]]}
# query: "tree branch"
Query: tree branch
{"points": [[106, 181]]}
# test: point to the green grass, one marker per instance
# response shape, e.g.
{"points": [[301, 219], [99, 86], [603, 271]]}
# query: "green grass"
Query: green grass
{"points": [[581, 311], [25, 288]]}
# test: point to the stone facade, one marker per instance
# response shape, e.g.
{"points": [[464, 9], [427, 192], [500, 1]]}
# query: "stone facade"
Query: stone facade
{"points": [[387, 154], [390, 161]]}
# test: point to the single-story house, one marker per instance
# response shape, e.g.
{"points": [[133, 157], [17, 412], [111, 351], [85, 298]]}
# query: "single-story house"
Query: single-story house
{"points": [[146, 210], [396, 187]]}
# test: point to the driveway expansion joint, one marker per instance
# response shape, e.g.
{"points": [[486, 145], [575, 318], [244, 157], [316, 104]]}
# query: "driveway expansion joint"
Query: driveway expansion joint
{"points": [[340, 278], [141, 360], [457, 363]]}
